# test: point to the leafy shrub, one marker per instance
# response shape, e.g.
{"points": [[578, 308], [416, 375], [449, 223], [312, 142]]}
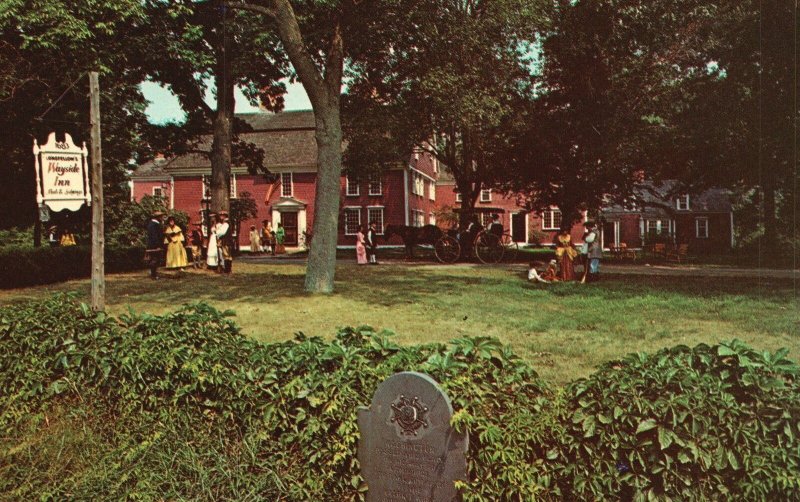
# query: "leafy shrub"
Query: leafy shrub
{"points": [[183, 406], [293, 404], [710, 423], [28, 266]]}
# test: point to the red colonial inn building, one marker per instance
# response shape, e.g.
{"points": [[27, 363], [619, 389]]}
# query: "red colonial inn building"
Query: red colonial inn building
{"points": [[412, 193]]}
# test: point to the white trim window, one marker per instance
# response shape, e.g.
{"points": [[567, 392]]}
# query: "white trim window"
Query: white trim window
{"points": [[432, 191], [486, 220], [352, 220], [419, 184], [653, 227], [375, 215], [458, 196], [351, 187], [287, 185], [375, 185], [158, 192], [551, 219], [701, 228], [682, 203], [486, 195], [432, 219], [232, 186], [419, 217]]}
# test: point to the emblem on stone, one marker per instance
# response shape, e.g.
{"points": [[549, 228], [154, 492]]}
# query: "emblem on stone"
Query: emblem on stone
{"points": [[409, 414]]}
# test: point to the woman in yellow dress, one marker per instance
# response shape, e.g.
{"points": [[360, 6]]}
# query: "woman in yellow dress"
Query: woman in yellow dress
{"points": [[174, 239]]}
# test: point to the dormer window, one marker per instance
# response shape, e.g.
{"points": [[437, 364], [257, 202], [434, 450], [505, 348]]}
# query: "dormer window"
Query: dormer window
{"points": [[682, 203]]}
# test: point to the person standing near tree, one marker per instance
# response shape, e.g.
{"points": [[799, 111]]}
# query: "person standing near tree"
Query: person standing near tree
{"points": [[212, 255], [225, 242], [155, 243], [372, 243]]}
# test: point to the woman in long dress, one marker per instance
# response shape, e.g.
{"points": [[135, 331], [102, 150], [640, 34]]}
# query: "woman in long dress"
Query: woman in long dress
{"points": [[361, 249], [566, 253], [174, 239], [212, 260]]}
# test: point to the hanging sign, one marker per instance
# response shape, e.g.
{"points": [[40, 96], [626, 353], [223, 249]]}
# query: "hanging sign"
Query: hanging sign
{"points": [[62, 175]]}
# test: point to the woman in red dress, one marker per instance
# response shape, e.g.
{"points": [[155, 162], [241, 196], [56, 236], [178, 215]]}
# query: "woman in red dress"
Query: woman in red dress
{"points": [[566, 253]]}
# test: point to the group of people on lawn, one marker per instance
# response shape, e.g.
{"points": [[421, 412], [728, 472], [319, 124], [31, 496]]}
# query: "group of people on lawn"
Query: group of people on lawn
{"points": [[167, 243], [562, 268], [267, 240]]}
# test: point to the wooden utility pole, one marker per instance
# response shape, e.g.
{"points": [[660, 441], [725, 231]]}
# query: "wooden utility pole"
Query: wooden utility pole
{"points": [[98, 239]]}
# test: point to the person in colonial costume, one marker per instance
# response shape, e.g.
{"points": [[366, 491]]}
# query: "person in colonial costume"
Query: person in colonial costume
{"points": [[268, 237], [174, 239], [196, 241], [361, 250], [224, 243], [372, 243], [566, 254], [67, 238], [212, 258], [594, 252], [280, 235], [52, 236], [255, 240], [551, 274], [155, 243]]}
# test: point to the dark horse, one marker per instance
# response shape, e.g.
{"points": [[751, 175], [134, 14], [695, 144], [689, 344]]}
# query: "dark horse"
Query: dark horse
{"points": [[412, 236]]}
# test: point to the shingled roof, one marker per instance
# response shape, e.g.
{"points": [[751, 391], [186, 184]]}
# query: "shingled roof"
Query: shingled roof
{"points": [[287, 139]]}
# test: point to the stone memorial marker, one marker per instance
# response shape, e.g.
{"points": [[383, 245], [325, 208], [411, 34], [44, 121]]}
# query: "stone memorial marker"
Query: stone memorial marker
{"points": [[407, 450]]}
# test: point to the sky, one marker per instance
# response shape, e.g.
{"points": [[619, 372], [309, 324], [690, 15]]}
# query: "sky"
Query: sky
{"points": [[164, 106]]}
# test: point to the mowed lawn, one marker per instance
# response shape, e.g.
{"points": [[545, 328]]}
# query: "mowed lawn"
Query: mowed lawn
{"points": [[563, 330]]}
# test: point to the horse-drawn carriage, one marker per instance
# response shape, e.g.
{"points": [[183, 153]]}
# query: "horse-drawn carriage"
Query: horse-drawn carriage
{"points": [[488, 245]]}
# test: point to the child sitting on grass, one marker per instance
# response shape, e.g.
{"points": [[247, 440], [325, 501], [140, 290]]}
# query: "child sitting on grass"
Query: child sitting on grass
{"points": [[547, 277]]}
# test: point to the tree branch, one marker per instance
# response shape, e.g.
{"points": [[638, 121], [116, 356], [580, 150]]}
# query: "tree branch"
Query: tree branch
{"points": [[252, 8]]}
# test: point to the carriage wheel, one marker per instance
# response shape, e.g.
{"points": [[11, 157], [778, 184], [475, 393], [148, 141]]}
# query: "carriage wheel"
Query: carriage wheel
{"points": [[510, 248], [447, 249], [488, 248]]}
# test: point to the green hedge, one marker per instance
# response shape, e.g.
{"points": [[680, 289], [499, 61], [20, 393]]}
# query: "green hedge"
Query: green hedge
{"points": [[183, 406], [27, 266]]}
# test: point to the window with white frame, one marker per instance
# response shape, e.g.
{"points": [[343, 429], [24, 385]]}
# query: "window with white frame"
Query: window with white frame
{"points": [[458, 196], [682, 203], [486, 195], [158, 192], [432, 219], [352, 220], [432, 191], [701, 228], [419, 217], [375, 185], [375, 215], [232, 186], [435, 162], [653, 227], [486, 219], [419, 184], [551, 219], [351, 187], [287, 188]]}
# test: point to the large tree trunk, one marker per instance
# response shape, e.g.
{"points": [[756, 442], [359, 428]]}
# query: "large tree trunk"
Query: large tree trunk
{"points": [[322, 255], [223, 130]]}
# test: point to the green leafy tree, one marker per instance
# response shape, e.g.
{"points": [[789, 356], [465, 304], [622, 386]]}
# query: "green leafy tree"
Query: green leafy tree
{"points": [[313, 37], [46, 46], [447, 78], [207, 42]]}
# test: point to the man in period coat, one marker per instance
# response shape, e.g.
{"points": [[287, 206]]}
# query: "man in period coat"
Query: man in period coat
{"points": [[372, 243], [155, 242]]}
